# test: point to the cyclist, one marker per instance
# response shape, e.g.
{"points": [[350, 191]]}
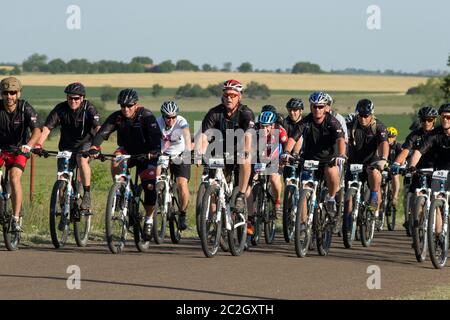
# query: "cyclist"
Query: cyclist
{"points": [[137, 133], [321, 133], [232, 116], [437, 143], [338, 116], [427, 116], [267, 126], [368, 145], [295, 109], [79, 121], [17, 118], [176, 139], [395, 148]]}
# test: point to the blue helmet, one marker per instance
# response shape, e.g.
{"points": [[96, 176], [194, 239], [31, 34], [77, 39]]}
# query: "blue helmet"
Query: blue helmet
{"points": [[320, 98], [267, 117]]}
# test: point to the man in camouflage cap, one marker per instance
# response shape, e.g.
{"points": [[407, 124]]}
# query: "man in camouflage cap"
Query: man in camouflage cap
{"points": [[17, 118]]}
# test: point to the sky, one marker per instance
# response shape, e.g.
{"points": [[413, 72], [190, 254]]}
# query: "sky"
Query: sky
{"points": [[412, 35]]}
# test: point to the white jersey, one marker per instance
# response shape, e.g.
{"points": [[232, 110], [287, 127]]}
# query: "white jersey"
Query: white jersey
{"points": [[172, 141], [341, 120]]}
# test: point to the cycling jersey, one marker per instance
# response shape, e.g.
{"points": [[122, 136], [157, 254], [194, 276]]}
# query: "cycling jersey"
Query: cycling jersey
{"points": [[341, 120], [437, 143], [413, 141], [364, 141], [289, 125], [319, 140], [217, 118], [137, 135], [77, 126], [271, 139], [15, 126], [172, 142], [394, 151]]}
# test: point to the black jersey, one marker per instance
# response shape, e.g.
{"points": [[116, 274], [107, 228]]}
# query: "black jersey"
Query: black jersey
{"points": [[413, 141], [437, 143]]}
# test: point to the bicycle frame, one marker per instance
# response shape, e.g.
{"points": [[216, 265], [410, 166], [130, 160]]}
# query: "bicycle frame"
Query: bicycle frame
{"points": [[309, 182], [166, 178], [356, 184], [424, 191], [66, 175], [443, 196]]}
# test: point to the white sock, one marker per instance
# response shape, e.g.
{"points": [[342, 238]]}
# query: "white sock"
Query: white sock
{"points": [[329, 198], [376, 214], [149, 220]]}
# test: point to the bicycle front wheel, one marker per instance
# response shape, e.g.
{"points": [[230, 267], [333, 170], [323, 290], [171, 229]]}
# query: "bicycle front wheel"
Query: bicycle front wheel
{"points": [[59, 216], [269, 221], [303, 231], [367, 227], [437, 241], [82, 223], [237, 236], [419, 233], [289, 209], [116, 222], [160, 215], [210, 222]]}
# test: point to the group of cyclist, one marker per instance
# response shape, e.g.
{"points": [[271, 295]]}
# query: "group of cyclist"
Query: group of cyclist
{"points": [[323, 135]]}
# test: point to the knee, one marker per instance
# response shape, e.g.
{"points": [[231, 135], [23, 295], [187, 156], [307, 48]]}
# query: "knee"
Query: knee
{"points": [[149, 192]]}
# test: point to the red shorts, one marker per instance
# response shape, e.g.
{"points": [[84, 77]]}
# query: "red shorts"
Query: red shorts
{"points": [[11, 160]]}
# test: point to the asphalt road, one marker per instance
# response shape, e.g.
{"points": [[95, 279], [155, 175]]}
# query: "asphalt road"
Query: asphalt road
{"points": [[181, 271]]}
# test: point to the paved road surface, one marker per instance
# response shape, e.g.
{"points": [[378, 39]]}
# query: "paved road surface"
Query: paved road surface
{"points": [[182, 272]]}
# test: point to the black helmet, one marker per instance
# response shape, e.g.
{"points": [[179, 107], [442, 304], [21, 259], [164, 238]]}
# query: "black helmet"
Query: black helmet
{"points": [[269, 107], [75, 88], [427, 112], [127, 96], [364, 107], [295, 103], [444, 108]]}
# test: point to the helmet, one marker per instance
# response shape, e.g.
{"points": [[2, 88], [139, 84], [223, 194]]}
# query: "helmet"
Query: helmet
{"points": [[444, 108], [330, 99], [127, 96], [295, 103], [364, 107], [427, 112], [269, 107], [350, 117], [267, 117], [169, 109], [392, 132], [75, 88], [319, 97], [233, 85]]}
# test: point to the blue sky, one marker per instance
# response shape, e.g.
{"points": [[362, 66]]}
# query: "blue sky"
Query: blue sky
{"points": [[414, 35]]}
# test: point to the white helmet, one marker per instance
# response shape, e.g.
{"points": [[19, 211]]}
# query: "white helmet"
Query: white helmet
{"points": [[169, 109]]}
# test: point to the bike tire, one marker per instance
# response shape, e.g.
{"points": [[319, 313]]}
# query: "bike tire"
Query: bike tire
{"points": [[237, 236], [289, 209], [198, 204], [407, 205], [302, 236], [367, 228], [210, 226], [116, 223], [419, 234], [138, 220], [82, 225], [270, 218], [57, 204], [438, 250], [391, 216], [325, 234], [258, 202], [349, 231], [160, 215]]}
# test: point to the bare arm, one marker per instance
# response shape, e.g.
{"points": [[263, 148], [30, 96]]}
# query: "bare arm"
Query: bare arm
{"points": [[44, 135], [402, 156], [187, 139], [415, 158], [383, 149]]}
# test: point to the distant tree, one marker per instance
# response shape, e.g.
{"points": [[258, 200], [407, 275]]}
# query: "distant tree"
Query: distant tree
{"points": [[306, 67], [278, 70], [15, 71], [135, 67], [245, 67], [142, 60], [191, 91], [215, 89], [156, 90], [3, 71], [78, 66], [255, 89], [108, 93], [36, 62], [57, 66], [186, 65], [226, 67], [445, 85], [206, 67], [164, 67]]}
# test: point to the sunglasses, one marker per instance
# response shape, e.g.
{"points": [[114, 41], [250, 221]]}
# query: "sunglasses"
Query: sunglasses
{"points": [[294, 109], [127, 106], [427, 119], [445, 118], [365, 116], [170, 118], [231, 95], [74, 98], [318, 107], [11, 93]]}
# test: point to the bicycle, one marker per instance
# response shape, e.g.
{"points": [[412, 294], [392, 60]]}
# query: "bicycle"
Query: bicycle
{"points": [[65, 201], [388, 211], [408, 198], [264, 203], [167, 203], [122, 207], [291, 197], [438, 241], [11, 236], [319, 221], [218, 216], [199, 200]]}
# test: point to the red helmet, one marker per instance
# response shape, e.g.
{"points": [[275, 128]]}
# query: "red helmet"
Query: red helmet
{"points": [[233, 85]]}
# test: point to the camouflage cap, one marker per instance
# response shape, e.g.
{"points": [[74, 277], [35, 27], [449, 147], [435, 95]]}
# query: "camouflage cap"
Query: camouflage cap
{"points": [[11, 84]]}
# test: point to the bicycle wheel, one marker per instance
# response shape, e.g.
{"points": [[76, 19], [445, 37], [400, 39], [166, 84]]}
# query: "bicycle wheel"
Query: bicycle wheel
{"points": [[210, 223], [379, 222], [302, 232], [137, 220], [82, 222], [289, 210], [59, 220], [160, 215], [325, 232], [391, 214], [407, 206], [419, 233], [116, 222], [437, 241], [198, 204], [258, 205], [175, 233], [237, 236], [270, 216], [224, 237], [349, 225], [340, 212], [367, 228]]}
